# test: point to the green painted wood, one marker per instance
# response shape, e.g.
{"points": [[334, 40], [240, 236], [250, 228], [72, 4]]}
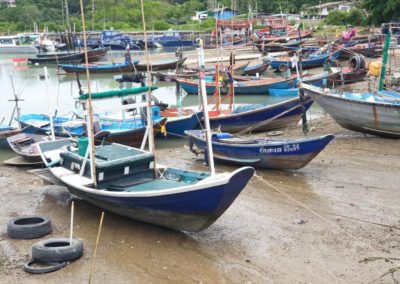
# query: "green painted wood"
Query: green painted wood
{"points": [[384, 61]]}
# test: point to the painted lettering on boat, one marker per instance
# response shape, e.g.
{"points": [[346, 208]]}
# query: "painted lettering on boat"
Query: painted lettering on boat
{"points": [[285, 149]]}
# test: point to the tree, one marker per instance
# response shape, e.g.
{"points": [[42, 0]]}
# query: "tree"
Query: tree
{"points": [[382, 11]]}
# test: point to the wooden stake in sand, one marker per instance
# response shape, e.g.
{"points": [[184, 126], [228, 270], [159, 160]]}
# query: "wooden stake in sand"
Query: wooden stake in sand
{"points": [[72, 223], [95, 248]]}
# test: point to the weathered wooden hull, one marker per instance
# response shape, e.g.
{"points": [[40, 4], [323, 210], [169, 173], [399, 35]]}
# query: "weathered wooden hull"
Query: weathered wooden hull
{"points": [[264, 153], [238, 121], [259, 87], [379, 119], [98, 69], [161, 66]]}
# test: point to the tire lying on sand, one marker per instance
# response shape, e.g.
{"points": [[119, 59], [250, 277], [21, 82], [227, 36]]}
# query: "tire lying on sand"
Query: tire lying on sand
{"points": [[47, 267], [29, 227], [57, 250]]}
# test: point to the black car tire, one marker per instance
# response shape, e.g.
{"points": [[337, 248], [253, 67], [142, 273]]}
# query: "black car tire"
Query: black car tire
{"points": [[57, 250], [29, 227], [51, 267]]}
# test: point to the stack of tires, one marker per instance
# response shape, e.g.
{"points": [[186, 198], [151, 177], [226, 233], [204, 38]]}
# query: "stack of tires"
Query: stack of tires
{"points": [[48, 255]]}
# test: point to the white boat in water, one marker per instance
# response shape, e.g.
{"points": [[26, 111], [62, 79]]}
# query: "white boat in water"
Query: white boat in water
{"points": [[16, 44]]}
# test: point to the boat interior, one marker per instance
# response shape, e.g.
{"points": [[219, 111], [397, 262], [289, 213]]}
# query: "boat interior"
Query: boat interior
{"points": [[122, 168]]}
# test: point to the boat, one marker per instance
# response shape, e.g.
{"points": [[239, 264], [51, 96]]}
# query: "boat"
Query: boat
{"points": [[6, 131], [173, 39], [173, 63], [251, 87], [319, 79], [128, 182], [115, 40], [264, 153], [127, 185], [128, 132], [98, 68], [368, 50], [278, 115], [93, 55], [63, 126], [279, 46], [292, 92], [15, 44], [313, 60], [25, 145], [280, 33], [253, 70], [363, 112]]}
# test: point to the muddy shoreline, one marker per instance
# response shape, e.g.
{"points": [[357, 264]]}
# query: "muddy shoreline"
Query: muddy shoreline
{"points": [[352, 189]]}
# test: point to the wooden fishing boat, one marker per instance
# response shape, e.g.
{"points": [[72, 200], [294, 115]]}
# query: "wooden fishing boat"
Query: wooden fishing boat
{"points": [[5, 132], [128, 185], [69, 58], [178, 121], [63, 126], [281, 33], [127, 181], [93, 55], [173, 63], [279, 115], [313, 60], [362, 112], [254, 87], [25, 145], [128, 132], [365, 49], [279, 46], [253, 70], [258, 152], [99, 68]]}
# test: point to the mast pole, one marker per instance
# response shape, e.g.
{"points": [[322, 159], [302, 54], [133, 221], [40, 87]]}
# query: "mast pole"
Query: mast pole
{"points": [[53, 136], [203, 93], [149, 99], [89, 104]]}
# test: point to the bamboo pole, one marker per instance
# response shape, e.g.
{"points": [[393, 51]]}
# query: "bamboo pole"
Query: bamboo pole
{"points": [[149, 106], [89, 104], [97, 243]]}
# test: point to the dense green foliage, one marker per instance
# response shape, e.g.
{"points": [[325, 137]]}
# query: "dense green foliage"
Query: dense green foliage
{"points": [[354, 17], [126, 14], [382, 10]]}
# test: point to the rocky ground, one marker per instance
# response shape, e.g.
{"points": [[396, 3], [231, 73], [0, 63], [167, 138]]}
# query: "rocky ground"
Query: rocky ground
{"points": [[335, 221]]}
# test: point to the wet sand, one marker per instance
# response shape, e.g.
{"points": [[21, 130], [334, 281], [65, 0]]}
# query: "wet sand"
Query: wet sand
{"points": [[352, 188]]}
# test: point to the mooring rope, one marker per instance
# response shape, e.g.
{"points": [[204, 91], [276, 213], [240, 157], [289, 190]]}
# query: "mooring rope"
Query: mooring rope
{"points": [[389, 259]]}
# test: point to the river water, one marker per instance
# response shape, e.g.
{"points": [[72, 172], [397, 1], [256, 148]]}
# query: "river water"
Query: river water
{"points": [[59, 93]]}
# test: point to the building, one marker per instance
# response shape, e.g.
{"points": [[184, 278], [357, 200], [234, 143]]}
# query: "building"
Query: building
{"points": [[324, 9], [219, 13], [9, 3]]}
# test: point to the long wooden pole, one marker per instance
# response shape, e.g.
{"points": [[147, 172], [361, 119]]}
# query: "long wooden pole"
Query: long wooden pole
{"points": [[89, 104], [203, 95], [149, 105], [97, 243]]}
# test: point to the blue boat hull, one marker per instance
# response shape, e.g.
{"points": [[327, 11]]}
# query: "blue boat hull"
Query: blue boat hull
{"points": [[32, 120], [240, 89], [177, 128], [242, 120], [306, 63], [280, 155], [176, 43], [284, 92], [187, 211]]}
